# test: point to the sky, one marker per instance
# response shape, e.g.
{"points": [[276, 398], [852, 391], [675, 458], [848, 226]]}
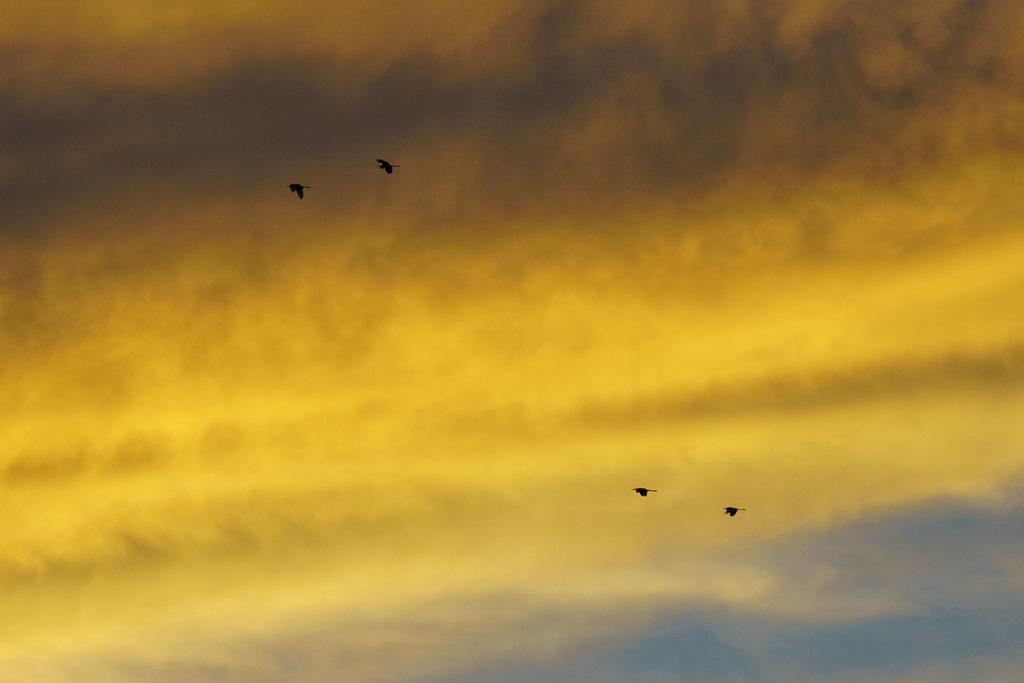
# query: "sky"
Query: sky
{"points": [[755, 253]]}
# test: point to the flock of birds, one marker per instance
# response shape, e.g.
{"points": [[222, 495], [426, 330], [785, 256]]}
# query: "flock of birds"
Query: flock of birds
{"points": [[388, 167], [643, 491]]}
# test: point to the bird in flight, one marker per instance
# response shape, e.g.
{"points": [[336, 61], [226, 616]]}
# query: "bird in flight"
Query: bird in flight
{"points": [[732, 511], [643, 492], [296, 187], [388, 167]]}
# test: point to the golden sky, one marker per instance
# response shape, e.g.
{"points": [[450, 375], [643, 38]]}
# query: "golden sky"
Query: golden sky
{"points": [[756, 253]]}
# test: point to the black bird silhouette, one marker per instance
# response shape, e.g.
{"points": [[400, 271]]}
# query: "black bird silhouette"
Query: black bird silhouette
{"points": [[388, 167], [643, 492], [295, 187], [732, 511]]}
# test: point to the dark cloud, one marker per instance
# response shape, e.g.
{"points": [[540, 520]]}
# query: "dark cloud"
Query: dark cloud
{"points": [[578, 115], [999, 371], [132, 455]]}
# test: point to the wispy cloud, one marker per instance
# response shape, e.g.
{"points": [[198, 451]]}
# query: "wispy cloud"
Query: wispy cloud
{"points": [[751, 253], [876, 599]]}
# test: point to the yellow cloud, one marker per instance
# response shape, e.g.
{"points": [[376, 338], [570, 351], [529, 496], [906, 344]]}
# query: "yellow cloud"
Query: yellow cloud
{"points": [[454, 417], [243, 413]]}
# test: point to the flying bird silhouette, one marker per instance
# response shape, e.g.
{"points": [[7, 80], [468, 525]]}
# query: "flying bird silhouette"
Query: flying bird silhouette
{"points": [[388, 167], [295, 187], [643, 492], [732, 511]]}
